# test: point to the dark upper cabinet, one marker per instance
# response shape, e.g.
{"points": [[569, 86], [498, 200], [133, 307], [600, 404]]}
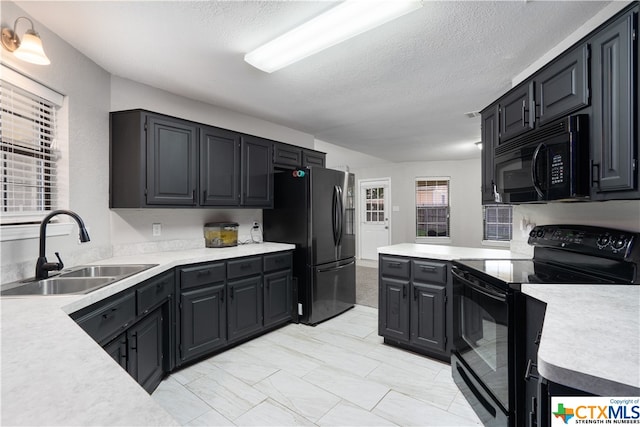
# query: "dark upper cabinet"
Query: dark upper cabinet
{"points": [[219, 167], [287, 156], [153, 160], [171, 161], [615, 110], [489, 123], [563, 86], [516, 116], [256, 172]]}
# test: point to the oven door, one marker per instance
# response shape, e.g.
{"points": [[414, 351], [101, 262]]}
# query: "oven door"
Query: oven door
{"points": [[483, 333]]}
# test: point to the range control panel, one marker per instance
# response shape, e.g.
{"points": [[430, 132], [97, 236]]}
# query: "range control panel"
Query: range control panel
{"points": [[604, 242]]}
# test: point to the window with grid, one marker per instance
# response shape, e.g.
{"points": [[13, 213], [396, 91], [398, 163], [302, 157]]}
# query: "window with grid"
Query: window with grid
{"points": [[374, 209], [28, 153], [497, 221], [432, 207]]}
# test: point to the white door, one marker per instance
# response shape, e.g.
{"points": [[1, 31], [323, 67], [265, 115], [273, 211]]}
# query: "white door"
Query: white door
{"points": [[375, 197]]}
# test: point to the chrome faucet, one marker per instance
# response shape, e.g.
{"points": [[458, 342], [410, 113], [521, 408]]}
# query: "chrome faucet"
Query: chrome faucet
{"points": [[42, 266]]}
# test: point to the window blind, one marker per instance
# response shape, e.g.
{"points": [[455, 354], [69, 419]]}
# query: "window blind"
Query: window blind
{"points": [[432, 207], [497, 222], [28, 154]]}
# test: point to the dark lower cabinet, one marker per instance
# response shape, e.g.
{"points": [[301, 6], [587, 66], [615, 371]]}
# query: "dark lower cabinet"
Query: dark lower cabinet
{"points": [[427, 316], [413, 305], [203, 321], [146, 351], [117, 349], [245, 307], [534, 318], [278, 292], [394, 309]]}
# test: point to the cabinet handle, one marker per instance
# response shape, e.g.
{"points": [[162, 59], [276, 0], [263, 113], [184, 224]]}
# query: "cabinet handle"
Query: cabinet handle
{"points": [[204, 273], [393, 264], [404, 291], [538, 338], [427, 268], [134, 345], [204, 195], [595, 174], [415, 294], [527, 373], [193, 197], [524, 111], [231, 292], [222, 296]]}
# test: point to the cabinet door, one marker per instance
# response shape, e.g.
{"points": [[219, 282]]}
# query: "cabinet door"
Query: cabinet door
{"points": [[428, 323], [219, 167], [563, 86], [146, 351], [277, 297], [117, 349], [245, 307], [394, 309], [489, 126], [313, 158], [171, 161], [515, 112], [534, 317], [203, 321], [257, 172], [613, 135], [287, 156]]}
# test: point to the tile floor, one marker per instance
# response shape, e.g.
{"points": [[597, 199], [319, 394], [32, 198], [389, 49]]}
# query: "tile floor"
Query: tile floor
{"points": [[338, 373]]}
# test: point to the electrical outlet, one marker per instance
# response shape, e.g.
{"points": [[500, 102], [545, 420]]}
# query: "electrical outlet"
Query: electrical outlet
{"points": [[156, 229], [256, 224]]}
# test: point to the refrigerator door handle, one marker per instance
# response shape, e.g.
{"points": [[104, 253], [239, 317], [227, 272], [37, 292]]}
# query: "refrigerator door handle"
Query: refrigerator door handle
{"points": [[335, 215], [340, 215]]}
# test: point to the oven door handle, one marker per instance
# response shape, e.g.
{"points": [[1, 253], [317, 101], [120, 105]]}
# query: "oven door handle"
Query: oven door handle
{"points": [[496, 295], [534, 169]]}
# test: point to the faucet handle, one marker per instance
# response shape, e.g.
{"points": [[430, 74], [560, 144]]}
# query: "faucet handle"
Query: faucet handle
{"points": [[60, 263]]}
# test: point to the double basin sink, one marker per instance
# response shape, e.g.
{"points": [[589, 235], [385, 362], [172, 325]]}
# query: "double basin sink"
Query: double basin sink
{"points": [[77, 280]]}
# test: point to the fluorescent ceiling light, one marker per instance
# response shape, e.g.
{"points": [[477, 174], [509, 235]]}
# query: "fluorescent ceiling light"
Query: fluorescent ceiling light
{"points": [[348, 19]]}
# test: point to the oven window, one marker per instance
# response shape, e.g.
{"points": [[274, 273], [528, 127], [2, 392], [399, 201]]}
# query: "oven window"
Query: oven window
{"points": [[485, 339]]}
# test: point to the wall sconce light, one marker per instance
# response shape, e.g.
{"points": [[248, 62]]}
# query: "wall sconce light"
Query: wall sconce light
{"points": [[479, 145], [28, 49]]}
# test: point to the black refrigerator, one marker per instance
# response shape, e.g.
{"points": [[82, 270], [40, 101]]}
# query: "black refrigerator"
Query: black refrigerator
{"points": [[314, 209]]}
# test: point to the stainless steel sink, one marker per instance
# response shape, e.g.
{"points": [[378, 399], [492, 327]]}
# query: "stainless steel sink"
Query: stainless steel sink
{"points": [[60, 285], [106, 270], [77, 280]]}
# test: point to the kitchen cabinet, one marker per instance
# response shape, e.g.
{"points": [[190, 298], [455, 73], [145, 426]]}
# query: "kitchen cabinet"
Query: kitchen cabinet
{"points": [[278, 289], [219, 167], [133, 328], [413, 304], [287, 156], [256, 172], [516, 116], [202, 310], [153, 160], [245, 297], [489, 132], [162, 161], [614, 132]]}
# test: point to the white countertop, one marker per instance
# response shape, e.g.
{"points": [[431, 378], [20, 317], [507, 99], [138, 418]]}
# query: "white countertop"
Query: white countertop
{"points": [[53, 373], [590, 337], [446, 253]]}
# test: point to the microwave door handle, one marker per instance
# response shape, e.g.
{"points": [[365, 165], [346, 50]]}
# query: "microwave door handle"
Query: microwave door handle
{"points": [[534, 169]]}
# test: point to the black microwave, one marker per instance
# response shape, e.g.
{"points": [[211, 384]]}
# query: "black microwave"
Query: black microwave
{"points": [[548, 164]]}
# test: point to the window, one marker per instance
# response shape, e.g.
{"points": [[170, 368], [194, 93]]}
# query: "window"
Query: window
{"points": [[432, 207], [374, 209], [497, 222], [28, 153]]}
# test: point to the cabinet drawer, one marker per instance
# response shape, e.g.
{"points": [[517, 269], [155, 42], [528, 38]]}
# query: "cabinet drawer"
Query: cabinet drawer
{"points": [[394, 267], [277, 262], [201, 275], [431, 272], [109, 319], [153, 292], [244, 267]]}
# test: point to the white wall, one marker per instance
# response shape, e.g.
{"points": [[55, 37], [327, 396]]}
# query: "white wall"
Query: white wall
{"points": [[87, 90]]}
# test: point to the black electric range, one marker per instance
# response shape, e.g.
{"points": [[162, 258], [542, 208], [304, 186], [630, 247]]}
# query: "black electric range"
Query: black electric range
{"points": [[568, 254]]}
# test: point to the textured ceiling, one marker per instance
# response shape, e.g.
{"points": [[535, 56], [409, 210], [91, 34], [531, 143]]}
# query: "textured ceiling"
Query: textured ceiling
{"points": [[398, 92]]}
